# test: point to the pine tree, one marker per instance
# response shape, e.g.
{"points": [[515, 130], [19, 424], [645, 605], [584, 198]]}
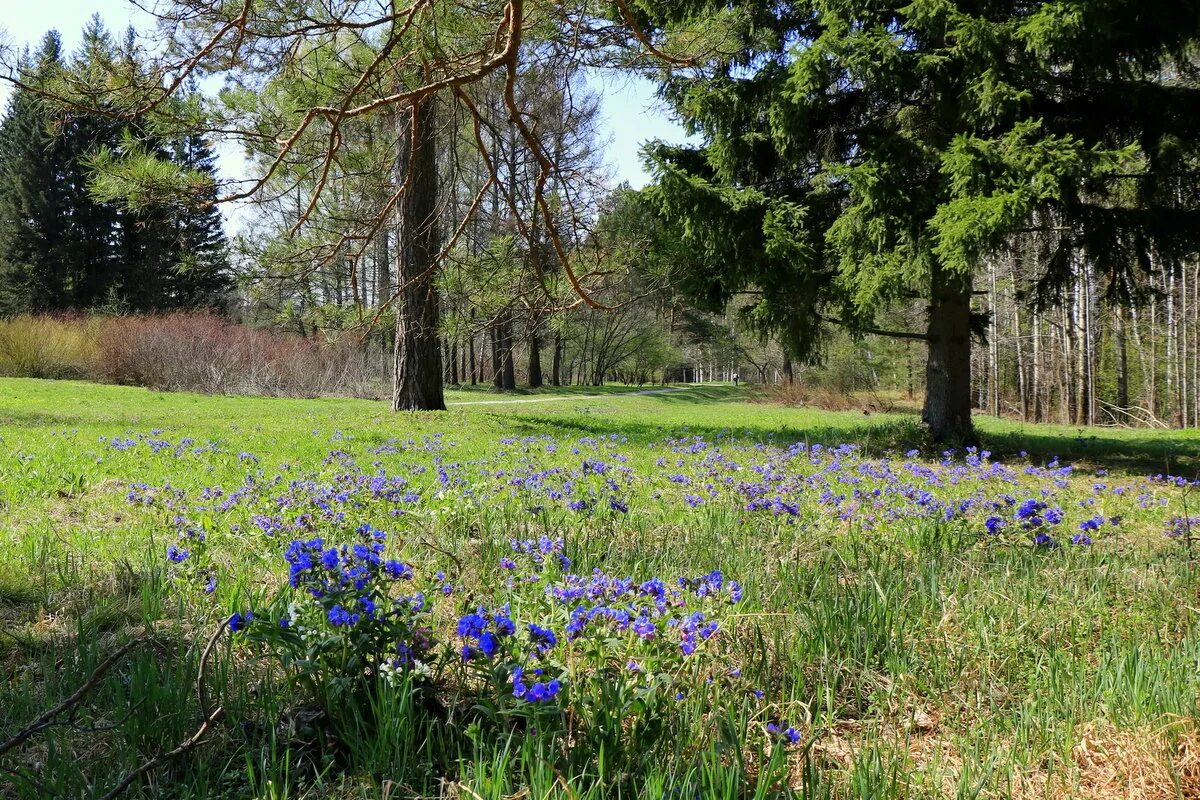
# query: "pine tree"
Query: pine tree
{"points": [[861, 153]]}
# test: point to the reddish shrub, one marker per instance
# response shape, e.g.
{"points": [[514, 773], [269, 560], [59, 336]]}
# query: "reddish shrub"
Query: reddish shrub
{"points": [[201, 352]]}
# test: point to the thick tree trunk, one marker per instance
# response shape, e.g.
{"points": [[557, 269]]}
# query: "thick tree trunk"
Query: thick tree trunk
{"points": [[383, 295], [947, 411], [417, 376]]}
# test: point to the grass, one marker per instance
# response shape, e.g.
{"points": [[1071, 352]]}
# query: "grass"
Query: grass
{"points": [[918, 656]]}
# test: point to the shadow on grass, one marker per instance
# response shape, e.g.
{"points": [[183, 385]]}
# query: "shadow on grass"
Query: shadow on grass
{"points": [[876, 438], [1098, 448], [1116, 451]]}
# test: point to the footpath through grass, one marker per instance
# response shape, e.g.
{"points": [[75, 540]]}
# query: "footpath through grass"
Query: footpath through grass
{"points": [[676, 595]]}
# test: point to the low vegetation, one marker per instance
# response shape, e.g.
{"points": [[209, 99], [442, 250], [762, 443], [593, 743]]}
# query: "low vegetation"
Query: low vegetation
{"points": [[186, 351], [564, 600]]}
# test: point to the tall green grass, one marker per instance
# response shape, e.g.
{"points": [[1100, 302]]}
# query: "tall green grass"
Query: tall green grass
{"points": [[924, 663]]}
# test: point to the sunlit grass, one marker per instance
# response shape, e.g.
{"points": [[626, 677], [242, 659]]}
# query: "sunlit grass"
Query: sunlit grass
{"points": [[921, 658]]}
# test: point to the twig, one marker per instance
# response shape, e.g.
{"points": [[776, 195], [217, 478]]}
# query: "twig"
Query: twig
{"points": [[47, 719], [187, 744]]}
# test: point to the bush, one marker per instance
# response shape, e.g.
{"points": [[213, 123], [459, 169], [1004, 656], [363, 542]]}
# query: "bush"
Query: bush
{"points": [[47, 346], [185, 351], [203, 353]]}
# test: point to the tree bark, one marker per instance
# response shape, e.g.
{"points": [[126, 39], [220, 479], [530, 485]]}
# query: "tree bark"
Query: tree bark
{"points": [[417, 376], [947, 409], [556, 363], [502, 353], [1122, 367], [535, 360]]}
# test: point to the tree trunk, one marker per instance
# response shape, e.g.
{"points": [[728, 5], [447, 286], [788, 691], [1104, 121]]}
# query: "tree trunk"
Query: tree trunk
{"points": [[947, 410], [502, 353], [1122, 367], [417, 375], [471, 347], [535, 360], [383, 295], [556, 362], [494, 334]]}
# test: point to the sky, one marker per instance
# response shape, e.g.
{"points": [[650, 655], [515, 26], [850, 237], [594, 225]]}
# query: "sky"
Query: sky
{"points": [[631, 114]]}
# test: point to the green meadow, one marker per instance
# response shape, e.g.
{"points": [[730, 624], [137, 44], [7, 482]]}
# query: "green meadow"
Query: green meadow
{"points": [[901, 616]]}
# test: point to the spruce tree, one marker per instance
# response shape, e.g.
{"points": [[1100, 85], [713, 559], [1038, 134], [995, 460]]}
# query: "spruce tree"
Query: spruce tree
{"points": [[94, 235], [35, 206], [201, 273], [861, 153], [63, 244]]}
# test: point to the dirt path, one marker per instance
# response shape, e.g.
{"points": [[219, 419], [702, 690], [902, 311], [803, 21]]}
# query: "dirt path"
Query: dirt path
{"points": [[565, 398]]}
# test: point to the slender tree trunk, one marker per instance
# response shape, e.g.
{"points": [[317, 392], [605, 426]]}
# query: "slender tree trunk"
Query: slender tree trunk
{"points": [[494, 333], [994, 344], [535, 360], [1122, 366], [471, 348], [556, 362], [506, 354], [1036, 377], [1018, 339], [417, 376], [1146, 366], [947, 410]]}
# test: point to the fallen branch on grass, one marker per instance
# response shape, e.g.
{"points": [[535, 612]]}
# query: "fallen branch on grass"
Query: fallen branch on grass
{"points": [[209, 715], [48, 718]]}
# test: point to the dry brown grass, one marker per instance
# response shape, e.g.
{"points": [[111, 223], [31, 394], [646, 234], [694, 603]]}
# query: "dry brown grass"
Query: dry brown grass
{"points": [[1106, 763]]}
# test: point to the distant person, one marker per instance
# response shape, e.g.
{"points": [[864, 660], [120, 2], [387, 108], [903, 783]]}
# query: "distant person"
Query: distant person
{"points": [[736, 378]]}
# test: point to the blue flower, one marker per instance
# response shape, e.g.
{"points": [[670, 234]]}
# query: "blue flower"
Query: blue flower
{"points": [[238, 622], [489, 644], [1029, 508], [175, 555], [543, 638], [340, 617], [644, 628], [397, 570], [471, 625]]}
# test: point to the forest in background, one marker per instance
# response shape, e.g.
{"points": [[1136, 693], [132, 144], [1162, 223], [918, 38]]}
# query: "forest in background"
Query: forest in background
{"points": [[546, 274]]}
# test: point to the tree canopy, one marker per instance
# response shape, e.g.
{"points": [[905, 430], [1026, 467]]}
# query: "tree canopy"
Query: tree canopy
{"points": [[861, 152]]}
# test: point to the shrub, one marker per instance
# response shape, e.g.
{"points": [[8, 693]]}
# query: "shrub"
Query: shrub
{"points": [[47, 346], [204, 353]]}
